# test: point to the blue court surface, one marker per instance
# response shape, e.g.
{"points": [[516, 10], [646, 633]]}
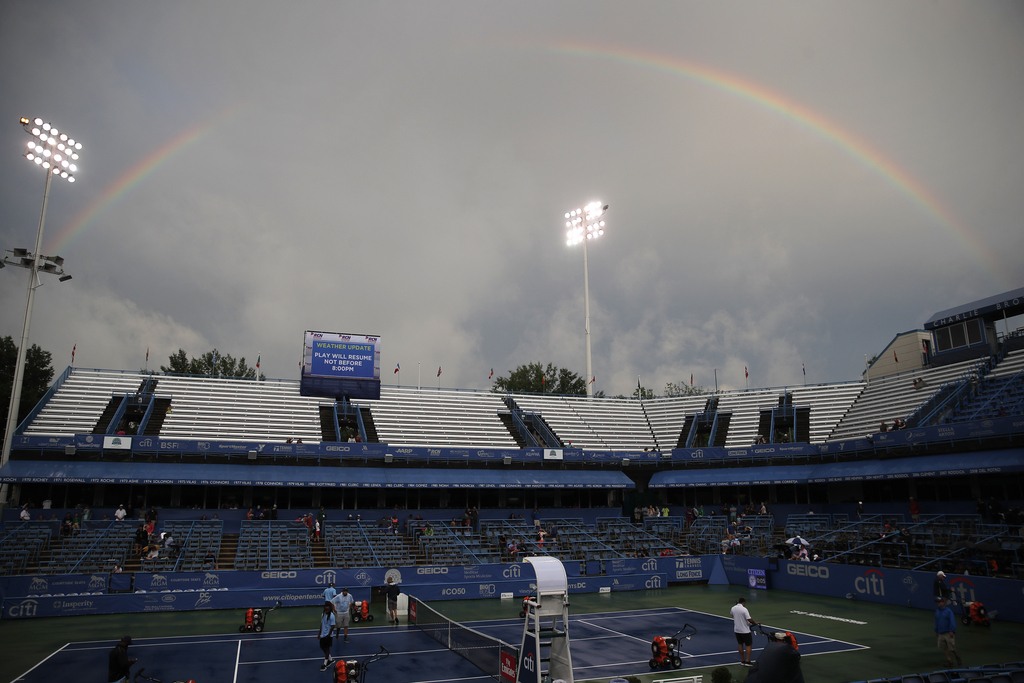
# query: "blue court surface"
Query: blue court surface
{"points": [[603, 645]]}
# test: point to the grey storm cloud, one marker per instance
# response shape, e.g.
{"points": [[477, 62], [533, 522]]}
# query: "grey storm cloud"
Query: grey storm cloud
{"points": [[790, 184]]}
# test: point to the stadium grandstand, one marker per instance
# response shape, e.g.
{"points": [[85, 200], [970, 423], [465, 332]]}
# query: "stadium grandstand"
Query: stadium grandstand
{"points": [[253, 476]]}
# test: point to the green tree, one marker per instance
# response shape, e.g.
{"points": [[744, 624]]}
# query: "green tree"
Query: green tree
{"points": [[539, 379], [643, 392], [682, 389], [210, 364], [37, 379]]}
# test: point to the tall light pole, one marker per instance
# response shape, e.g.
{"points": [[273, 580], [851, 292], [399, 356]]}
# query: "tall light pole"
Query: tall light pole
{"points": [[584, 225], [56, 154]]}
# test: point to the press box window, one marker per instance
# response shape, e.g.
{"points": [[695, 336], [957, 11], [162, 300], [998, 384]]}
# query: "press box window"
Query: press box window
{"points": [[961, 334]]}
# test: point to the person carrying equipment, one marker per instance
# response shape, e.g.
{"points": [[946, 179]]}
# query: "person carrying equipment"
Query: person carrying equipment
{"points": [[119, 663], [741, 626]]}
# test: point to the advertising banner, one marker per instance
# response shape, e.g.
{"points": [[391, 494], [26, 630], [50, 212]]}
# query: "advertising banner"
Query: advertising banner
{"points": [[59, 584], [901, 587]]}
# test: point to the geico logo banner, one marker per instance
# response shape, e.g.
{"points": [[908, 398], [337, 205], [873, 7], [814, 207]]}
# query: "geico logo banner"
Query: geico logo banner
{"points": [[453, 591], [815, 571], [432, 570], [278, 575]]}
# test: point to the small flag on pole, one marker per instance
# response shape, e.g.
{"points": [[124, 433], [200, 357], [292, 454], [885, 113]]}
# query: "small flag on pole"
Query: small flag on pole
{"points": [[73, 348], [438, 370], [147, 354], [258, 357], [691, 379], [894, 356], [593, 379], [491, 375], [804, 368], [745, 373], [398, 366]]}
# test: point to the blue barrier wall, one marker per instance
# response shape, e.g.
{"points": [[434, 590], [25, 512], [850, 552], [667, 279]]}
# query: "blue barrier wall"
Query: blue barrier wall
{"points": [[902, 587]]}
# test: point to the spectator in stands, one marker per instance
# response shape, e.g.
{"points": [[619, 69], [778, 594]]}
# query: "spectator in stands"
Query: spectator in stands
{"points": [[981, 509], [210, 560], [25, 514], [995, 511], [945, 630], [540, 536], [141, 539], [535, 516], [513, 550], [86, 514], [47, 504], [171, 545], [250, 514], [321, 516], [67, 525], [429, 531], [860, 510], [120, 513], [915, 510]]}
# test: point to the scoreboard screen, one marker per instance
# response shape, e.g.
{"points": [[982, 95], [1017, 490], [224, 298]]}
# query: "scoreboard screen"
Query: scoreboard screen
{"points": [[338, 365]]}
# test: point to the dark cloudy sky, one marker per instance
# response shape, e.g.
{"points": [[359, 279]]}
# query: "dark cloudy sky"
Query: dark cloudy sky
{"points": [[790, 182]]}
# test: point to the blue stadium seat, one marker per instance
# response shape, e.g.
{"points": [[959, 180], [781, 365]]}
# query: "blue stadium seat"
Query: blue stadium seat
{"points": [[912, 678], [938, 677]]}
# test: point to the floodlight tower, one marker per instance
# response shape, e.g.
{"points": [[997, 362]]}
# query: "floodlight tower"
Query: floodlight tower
{"points": [[56, 154], [584, 225]]}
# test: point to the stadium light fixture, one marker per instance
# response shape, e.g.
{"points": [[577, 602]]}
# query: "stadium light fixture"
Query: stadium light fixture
{"points": [[56, 153], [584, 225]]}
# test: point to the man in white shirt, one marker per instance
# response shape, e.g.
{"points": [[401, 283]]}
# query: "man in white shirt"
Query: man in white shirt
{"points": [[120, 513], [741, 626], [342, 611], [25, 514]]}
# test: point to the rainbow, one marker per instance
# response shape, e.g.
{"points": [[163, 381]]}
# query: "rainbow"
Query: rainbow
{"points": [[828, 130], [132, 178]]}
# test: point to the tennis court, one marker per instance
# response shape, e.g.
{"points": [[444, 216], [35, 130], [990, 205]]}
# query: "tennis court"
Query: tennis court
{"points": [[604, 645], [841, 640]]}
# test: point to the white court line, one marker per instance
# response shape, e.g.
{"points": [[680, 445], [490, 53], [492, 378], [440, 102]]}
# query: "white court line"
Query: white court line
{"points": [[238, 655], [40, 663], [618, 633], [309, 659], [820, 639]]}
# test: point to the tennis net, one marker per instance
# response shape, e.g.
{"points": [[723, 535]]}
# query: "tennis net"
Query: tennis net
{"points": [[493, 656]]}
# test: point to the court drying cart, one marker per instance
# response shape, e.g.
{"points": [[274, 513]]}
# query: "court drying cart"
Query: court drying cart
{"points": [[665, 652], [353, 670], [361, 611], [256, 618]]}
